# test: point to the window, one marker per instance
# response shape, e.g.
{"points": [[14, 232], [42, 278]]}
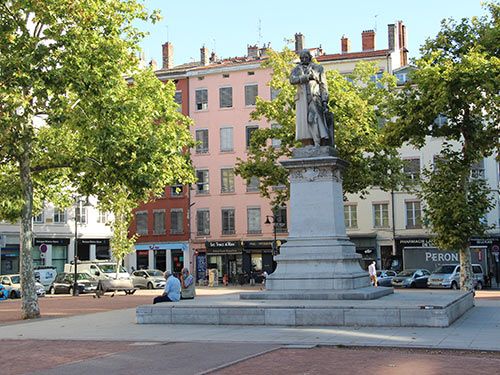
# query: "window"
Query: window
{"points": [[275, 142], [227, 180], [351, 215], [251, 73], [202, 141], [59, 215], [253, 220], [159, 222], [249, 130], [178, 100], [477, 169], [441, 120], [202, 222], [176, 190], [226, 97], [413, 215], [102, 217], [39, 219], [81, 214], [225, 75], [228, 221], [412, 168], [141, 219], [281, 223], [176, 221], [253, 184], [202, 186], [201, 96], [226, 139], [274, 93], [381, 215], [251, 92]]}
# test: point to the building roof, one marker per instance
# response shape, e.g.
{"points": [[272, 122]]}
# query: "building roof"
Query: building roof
{"points": [[354, 55]]}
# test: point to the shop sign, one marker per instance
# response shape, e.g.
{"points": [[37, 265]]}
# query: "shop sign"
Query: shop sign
{"points": [[258, 244], [415, 242], [94, 241], [51, 241], [222, 245]]}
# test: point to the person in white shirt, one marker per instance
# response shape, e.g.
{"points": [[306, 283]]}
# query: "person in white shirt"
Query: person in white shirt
{"points": [[373, 274]]}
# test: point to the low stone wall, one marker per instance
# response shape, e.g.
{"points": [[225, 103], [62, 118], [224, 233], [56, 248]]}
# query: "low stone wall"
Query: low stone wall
{"points": [[308, 313]]}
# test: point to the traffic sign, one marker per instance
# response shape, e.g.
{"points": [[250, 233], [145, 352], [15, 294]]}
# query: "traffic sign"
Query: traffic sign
{"points": [[43, 248]]}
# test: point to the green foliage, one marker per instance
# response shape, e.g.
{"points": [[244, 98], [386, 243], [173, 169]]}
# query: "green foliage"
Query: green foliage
{"points": [[359, 106], [458, 77], [70, 122], [455, 203]]}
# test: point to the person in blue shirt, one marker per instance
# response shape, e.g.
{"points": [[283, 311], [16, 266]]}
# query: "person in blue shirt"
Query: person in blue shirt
{"points": [[172, 291], [4, 293]]}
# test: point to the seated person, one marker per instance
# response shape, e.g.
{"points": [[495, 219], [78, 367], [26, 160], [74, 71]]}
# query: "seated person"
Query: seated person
{"points": [[4, 293], [187, 284], [172, 292]]}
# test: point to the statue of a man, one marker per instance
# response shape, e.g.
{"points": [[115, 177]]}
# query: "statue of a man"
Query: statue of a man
{"points": [[311, 103]]}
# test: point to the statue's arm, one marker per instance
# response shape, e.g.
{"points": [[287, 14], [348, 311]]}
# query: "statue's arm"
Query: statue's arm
{"points": [[297, 77]]}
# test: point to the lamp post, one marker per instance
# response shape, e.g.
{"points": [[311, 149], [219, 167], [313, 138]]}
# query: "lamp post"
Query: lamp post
{"points": [[78, 216], [272, 219]]}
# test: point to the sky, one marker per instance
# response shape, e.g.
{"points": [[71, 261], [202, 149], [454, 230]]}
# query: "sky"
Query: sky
{"points": [[228, 26]]}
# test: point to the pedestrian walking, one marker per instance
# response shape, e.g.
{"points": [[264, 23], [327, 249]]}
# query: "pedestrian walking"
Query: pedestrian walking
{"points": [[372, 270]]}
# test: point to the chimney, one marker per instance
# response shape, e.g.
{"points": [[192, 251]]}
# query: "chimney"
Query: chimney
{"points": [[204, 56], [345, 44], [299, 42], [403, 43], [168, 55], [391, 35], [368, 40], [252, 51], [153, 65]]}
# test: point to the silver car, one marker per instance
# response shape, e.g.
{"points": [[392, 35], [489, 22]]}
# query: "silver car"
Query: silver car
{"points": [[148, 279], [448, 276]]}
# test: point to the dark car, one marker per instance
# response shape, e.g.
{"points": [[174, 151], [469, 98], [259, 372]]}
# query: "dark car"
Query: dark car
{"points": [[412, 278], [384, 277], [63, 284]]}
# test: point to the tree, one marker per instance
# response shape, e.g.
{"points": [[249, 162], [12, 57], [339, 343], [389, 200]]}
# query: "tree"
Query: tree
{"points": [[457, 78], [70, 122], [359, 104]]}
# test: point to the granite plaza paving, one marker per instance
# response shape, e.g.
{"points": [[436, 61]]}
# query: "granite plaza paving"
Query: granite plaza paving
{"points": [[134, 347]]}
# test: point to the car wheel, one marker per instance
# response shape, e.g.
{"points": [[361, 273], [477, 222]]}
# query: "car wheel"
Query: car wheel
{"points": [[13, 295], [413, 285], [454, 286], [479, 285], [52, 290], [150, 285]]}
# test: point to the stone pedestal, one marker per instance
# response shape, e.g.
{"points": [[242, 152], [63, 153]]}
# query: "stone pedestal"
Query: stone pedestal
{"points": [[318, 259]]}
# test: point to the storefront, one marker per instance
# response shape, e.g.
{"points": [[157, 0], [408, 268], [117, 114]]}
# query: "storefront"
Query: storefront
{"points": [[93, 248], [50, 252], [172, 256], [236, 261], [9, 259], [366, 246]]}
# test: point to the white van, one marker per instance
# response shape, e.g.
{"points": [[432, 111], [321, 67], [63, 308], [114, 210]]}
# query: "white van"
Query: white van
{"points": [[45, 275], [105, 271]]}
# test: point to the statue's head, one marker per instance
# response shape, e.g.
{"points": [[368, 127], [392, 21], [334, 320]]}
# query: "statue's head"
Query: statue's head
{"points": [[305, 56]]}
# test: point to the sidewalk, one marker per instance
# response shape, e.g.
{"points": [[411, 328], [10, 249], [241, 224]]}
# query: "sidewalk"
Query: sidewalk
{"points": [[478, 329]]}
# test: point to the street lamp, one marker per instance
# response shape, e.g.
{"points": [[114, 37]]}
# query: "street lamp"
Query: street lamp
{"points": [[78, 206], [275, 220]]}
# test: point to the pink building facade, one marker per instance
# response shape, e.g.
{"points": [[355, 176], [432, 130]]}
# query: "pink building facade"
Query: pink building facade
{"points": [[228, 230]]}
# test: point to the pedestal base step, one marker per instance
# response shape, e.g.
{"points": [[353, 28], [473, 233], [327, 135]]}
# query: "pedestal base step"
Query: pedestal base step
{"points": [[325, 295], [396, 310]]}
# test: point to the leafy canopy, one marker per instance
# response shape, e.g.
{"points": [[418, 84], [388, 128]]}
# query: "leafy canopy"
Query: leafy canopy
{"points": [[359, 104]]}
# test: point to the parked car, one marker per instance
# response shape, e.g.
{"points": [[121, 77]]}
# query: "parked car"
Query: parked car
{"points": [[384, 277], [412, 278], [150, 279], [13, 284], [448, 276], [45, 275], [64, 283]]}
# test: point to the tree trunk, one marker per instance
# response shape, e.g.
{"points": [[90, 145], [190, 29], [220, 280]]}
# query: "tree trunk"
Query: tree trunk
{"points": [[30, 308], [465, 270]]}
